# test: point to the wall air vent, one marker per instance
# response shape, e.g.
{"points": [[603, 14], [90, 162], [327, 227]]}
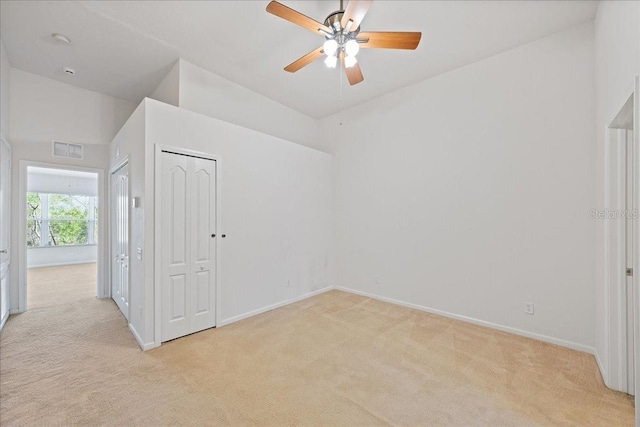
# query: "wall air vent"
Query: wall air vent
{"points": [[66, 149]]}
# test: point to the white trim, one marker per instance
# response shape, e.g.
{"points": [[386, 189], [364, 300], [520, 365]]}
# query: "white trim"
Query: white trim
{"points": [[22, 247], [119, 165], [509, 329], [274, 306], [636, 261], [4, 319], [5, 266], [157, 259], [604, 368], [158, 148], [144, 346], [603, 371]]}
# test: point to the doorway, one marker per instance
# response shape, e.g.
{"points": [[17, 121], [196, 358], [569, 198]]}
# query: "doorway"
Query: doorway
{"points": [[61, 217], [622, 229]]}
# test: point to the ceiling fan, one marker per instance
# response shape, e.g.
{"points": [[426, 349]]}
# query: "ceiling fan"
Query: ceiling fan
{"points": [[341, 30]]}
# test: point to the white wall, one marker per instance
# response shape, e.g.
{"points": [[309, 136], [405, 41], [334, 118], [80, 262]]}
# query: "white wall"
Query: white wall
{"points": [[276, 206], [5, 76], [61, 255], [168, 91], [207, 93], [469, 193], [617, 63], [43, 109]]}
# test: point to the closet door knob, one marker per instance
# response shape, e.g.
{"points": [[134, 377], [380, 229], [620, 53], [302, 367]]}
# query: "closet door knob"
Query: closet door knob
{"points": [[224, 235], [213, 235]]}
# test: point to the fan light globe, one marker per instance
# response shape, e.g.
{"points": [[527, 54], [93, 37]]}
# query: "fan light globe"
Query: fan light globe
{"points": [[350, 61], [331, 61], [330, 47], [351, 48]]}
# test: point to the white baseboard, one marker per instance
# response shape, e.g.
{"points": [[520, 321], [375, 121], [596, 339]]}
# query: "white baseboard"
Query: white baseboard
{"points": [[4, 320], [273, 306], [143, 346], [60, 264], [603, 372], [539, 337]]}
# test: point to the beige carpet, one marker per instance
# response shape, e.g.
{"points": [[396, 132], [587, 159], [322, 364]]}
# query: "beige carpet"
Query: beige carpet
{"points": [[49, 286], [335, 359]]}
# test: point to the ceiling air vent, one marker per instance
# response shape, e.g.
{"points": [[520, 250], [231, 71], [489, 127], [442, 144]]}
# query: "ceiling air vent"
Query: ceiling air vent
{"points": [[66, 149]]}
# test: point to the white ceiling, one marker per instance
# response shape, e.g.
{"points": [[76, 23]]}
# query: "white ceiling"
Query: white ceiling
{"points": [[124, 48]]}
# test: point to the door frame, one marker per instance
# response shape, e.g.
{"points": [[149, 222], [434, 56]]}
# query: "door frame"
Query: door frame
{"points": [[22, 224], [615, 369], [119, 165], [158, 231], [5, 267], [636, 275]]}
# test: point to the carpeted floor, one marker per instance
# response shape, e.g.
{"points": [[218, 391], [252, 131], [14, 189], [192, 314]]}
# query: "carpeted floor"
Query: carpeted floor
{"points": [[335, 359], [49, 286]]}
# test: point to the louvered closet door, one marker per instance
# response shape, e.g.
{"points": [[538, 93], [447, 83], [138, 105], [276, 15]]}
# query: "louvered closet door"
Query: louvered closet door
{"points": [[187, 212]]}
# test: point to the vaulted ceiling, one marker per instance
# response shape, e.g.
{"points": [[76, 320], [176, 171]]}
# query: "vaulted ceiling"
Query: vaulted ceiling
{"points": [[124, 48]]}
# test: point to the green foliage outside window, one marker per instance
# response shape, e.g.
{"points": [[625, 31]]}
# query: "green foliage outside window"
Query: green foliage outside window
{"points": [[65, 219]]}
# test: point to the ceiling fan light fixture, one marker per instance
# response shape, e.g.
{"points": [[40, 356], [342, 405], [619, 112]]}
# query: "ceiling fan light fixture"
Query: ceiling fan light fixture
{"points": [[347, 27], [351, 47], [331, 61], [330, 47], [350, 61], [341, 29]]}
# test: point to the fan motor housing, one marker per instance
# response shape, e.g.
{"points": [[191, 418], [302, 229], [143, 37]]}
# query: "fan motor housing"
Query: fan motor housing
{"points": [[333, 22]]}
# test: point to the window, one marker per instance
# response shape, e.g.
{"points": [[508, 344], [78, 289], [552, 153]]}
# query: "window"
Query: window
{"points": [[61, 220]]}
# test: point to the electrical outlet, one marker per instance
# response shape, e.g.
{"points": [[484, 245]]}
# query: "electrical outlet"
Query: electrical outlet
{"points": [[377, 280], [528, 308], [288, 283]]}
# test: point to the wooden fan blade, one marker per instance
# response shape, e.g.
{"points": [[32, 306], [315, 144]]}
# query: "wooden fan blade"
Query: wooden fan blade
{"points": [[389, 40], [354, 74], [305, 60], [296, 17], [355, 11]]}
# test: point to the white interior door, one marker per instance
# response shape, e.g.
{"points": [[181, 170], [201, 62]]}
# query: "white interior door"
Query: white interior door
{"points": [[120, 239], [188, 224], [5, 226]]}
